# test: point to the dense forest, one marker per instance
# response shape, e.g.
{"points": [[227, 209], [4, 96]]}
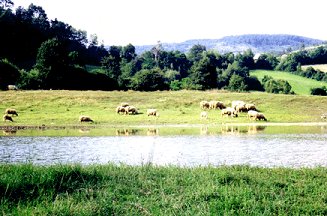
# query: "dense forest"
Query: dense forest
{"points": [[38, 53]]}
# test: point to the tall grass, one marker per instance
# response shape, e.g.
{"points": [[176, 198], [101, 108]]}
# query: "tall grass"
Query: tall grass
{"points": [[149, 190]]}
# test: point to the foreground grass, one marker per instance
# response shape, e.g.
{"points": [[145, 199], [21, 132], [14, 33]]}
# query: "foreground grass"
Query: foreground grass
{"points": [[300, 85], [180, 107], [148, 190]]}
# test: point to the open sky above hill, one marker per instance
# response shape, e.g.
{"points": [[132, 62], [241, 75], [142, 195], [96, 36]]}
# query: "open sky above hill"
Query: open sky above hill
{"points": [[143, 22]]}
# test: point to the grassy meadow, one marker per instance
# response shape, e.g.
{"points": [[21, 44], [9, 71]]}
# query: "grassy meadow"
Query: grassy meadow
{"points": [[148, 190], [300, 85], [63, 108]]}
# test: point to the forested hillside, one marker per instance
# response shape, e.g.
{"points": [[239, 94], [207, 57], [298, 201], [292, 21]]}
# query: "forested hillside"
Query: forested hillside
{"points": [[258, 43], [38, 53]]}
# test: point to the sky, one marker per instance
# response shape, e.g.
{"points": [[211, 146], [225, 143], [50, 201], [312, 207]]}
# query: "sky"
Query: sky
{"points": [[145, 22]]}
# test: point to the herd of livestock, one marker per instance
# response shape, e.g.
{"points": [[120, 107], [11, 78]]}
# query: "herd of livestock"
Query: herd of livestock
{"points": [[124, 108], [233, 111]]}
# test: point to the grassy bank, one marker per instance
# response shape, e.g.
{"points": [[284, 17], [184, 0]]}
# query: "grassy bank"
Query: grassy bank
{"points": [[180, 107], [149, 190]]}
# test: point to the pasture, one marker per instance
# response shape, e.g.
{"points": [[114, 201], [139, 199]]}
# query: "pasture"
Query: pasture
{"points": [[63, 108], [300, 85]]}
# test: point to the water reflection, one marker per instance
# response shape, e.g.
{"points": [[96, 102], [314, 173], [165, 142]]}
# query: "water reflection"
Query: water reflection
{"points": [[267, 150]]}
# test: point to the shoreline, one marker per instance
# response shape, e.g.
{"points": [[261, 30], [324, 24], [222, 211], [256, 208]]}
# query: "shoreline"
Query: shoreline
{"points": [[63, 127]]}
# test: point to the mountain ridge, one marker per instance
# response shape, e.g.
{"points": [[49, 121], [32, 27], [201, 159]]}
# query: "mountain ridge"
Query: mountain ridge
{"points": [[258, 43]]}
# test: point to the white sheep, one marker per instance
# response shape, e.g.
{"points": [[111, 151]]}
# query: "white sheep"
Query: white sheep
{"points": [[152, 112]]}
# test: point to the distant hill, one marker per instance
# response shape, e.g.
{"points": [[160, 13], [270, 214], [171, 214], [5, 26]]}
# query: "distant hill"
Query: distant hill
{"points": [[258, 43]]}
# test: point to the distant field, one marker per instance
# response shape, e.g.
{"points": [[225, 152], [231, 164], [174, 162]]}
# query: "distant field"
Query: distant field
{"points": [[321, 67], [300, 85]]}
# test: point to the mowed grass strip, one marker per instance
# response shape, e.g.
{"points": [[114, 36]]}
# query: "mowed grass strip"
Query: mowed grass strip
{"points": [[59, 107], [149, 190], [300, 85]]}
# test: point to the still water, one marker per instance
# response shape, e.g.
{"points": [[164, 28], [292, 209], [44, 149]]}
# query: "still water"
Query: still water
{"points": [[264, 148]]}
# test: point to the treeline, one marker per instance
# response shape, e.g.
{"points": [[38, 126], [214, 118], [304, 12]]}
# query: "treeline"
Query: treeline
{"points": [[38, 53]]}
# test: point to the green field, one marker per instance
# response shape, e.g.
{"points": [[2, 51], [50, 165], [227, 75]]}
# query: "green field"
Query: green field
{"points": [[150, 190], [53, 108], [300, 85]]}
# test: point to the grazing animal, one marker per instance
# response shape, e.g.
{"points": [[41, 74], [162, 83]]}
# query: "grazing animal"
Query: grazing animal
{"points": [[12, 87], [7, 117], [216, 104], [121, 109], [229, 111], [204, 115], [10, 111], [250, 107], [204, 105], [252, 114], [131, 110], [256, 115], [260, 116], [85, 119], [152, 112], [323, 116]]}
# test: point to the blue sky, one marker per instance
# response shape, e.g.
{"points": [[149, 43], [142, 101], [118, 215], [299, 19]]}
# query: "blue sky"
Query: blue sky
{"points": [[119, 22]]}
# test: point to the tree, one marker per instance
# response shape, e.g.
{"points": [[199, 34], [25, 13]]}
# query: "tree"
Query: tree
{"points": [[237, 83], [195, 53], [149, 80], [9, 74], [204, 73], [319, 91], [112, 62], [51, 62]]}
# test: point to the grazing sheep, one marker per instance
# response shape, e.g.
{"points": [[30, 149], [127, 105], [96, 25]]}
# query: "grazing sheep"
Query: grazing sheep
{"points": [[261, 116], [240, 108], [152, 112], [323, 116], [121, 109], [131, 110], [204, 105], [252, 114], [12, 87], [250, 107], [7, 117], [85, 119], [256, 115], [229, 111], [216, 104], [11, 111], [204, 115]]}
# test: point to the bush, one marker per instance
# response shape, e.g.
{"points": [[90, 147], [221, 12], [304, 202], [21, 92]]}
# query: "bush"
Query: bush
{"points": [[319, 91]]}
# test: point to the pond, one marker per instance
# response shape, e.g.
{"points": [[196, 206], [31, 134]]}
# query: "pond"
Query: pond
{"points": [[264, 146]]}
